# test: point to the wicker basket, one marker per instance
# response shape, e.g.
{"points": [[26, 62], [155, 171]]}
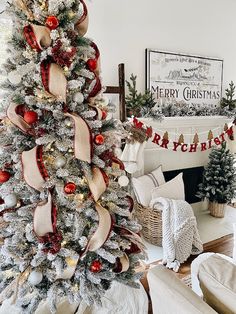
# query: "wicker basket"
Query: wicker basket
{"points": [[217, 210], [151, 221]]}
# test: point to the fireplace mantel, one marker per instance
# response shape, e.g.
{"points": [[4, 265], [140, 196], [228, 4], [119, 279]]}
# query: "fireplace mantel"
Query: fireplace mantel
{"points": [[194, 122]]}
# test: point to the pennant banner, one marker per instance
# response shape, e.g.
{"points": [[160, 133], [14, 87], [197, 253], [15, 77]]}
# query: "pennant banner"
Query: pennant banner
{"points": [[180, 145], [163, 141]]}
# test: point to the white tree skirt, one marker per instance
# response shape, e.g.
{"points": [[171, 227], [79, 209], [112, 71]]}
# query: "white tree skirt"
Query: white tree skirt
{"points": [[120, 299]]}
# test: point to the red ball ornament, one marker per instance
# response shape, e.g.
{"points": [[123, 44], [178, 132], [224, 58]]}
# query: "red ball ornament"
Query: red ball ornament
{"points": [[52, 22], [4, 176], [92, 64], [99, 139], [70, 188], [104, 114], [30, 117], [96, 266]]}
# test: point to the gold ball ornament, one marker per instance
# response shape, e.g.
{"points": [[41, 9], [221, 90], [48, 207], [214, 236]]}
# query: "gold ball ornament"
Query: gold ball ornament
{"points": [[72, 262]]}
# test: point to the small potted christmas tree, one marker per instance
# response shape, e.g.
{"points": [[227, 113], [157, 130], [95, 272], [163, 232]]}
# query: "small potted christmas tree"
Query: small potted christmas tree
{"points": [[219, 181]]}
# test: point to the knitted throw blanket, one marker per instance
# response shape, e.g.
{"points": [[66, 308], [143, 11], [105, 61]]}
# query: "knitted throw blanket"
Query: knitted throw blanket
{"points": [[180, 234]]}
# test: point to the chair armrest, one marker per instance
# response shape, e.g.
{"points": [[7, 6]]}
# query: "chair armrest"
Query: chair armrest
{"points": [[170, 295]]}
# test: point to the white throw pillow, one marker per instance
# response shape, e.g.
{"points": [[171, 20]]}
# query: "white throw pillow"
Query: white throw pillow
{"points": [[173, 189], [144, 185]]}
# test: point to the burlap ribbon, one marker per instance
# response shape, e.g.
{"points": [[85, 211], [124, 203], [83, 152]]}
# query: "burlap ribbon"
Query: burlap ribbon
{"points": [[34, 174], [96, 89], [124, 261], [82, 24], [97, 110], [97, 183], [54, 80], [38, 37], [16, 119], [96, 241], [21, 4], [103, 230], [83, 146], [43, 217]]}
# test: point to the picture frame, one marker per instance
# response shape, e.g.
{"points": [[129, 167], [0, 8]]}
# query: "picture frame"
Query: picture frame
{"points": [[184, 79]]}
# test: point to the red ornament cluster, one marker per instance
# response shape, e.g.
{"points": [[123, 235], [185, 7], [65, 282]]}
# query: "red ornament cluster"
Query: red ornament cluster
{"points": [[4, 176], [70, 188], [96, 266], [52, 22], [52, 242], [62, 57], [30, 117]]}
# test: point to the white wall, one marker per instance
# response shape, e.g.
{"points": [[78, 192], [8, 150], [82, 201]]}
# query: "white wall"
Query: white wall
{"points": [[124, 28]]}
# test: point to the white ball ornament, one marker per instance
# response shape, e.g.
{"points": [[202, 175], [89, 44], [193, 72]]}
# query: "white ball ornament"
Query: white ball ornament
{"points": [[123, 181], [11, 200], [78, 97], [60, 162], [35, 277], [14, 77], [68, 122]]}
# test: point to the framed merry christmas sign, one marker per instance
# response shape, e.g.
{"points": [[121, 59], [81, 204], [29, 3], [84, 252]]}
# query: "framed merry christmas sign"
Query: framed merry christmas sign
{"points": [[180, 78]]}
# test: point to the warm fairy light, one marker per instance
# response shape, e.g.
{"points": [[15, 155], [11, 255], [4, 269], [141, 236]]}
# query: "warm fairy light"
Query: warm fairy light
{"points": [[72, 262], [83, 181], [71, 14], [79, 197]]}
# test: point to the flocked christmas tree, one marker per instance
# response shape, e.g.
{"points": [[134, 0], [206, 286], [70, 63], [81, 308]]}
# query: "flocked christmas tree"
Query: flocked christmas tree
{"points": [[219, 181], [66, 227]]}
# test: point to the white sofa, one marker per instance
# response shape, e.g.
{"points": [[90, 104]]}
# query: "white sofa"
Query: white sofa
{"points": [[214, 280]]}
